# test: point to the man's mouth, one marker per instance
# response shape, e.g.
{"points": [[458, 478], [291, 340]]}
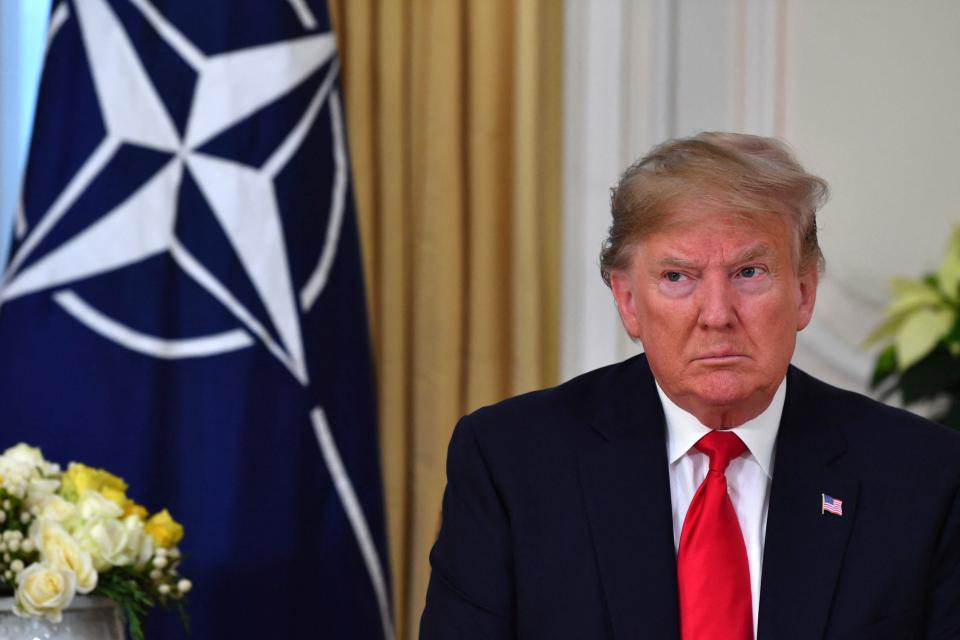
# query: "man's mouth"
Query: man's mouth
{"points": [[720, 356]]}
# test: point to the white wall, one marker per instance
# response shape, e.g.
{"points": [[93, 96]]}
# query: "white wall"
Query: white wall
{"points": [[872, 102], [866, 91]]}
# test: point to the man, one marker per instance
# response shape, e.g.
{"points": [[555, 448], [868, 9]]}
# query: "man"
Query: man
{"points": [[706, 490]]}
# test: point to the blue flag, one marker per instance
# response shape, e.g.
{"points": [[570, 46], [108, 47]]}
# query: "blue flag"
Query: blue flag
{"points": [[184, 305]]}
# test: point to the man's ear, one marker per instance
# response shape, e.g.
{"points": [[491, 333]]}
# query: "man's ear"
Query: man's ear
{"points": [[808, 297], [623, 294]]}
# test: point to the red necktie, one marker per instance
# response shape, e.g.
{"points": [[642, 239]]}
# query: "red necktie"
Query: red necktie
{"points": [[712, 569]]}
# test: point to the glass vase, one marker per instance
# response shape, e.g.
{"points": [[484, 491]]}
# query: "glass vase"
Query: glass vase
{"points": [[87, 618]]}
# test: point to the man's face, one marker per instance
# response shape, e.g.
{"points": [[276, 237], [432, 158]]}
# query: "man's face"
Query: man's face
{"points": [[717, 302]]}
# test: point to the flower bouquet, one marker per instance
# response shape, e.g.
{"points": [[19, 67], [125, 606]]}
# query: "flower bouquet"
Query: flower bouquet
{"points": [[922, 324], [72, 532]]}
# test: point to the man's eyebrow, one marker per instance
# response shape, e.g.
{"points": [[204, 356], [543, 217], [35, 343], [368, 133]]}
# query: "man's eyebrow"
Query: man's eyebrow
{"points": [[679, 263], [761, 250]]}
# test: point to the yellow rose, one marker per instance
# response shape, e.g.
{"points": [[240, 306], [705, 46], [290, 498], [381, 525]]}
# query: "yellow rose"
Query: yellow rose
{"points": [[134, 509], [79, 478], [58, 549], [44, 591], [164, 530], [119, 498]]}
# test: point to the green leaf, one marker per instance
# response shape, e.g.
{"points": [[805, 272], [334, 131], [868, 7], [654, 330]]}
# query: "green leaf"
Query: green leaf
{"points": [[125, 586], [937, 373], [885, 367], [949, 272], [920, 334]]}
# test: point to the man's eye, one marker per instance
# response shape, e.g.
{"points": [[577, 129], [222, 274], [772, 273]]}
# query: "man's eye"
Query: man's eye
{"points": [[674, 276], [749, 272]]}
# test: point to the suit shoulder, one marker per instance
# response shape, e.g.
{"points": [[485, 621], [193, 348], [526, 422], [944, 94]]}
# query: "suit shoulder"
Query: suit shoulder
{"points": [[879, 428], [552, 410]]}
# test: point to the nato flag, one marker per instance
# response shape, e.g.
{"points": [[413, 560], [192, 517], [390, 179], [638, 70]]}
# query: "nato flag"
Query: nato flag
{"points": [[184, 305]]}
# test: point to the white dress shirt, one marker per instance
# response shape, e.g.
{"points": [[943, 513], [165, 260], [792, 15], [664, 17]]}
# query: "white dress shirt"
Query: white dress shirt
{"points": [[748, 477]]}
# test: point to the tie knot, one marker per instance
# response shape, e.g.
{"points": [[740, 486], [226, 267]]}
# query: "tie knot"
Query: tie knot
{"points": [[722, 447]]}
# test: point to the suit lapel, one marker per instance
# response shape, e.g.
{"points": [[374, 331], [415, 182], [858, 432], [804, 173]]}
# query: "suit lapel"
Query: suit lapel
{"points": [[626, 489], [804, 548]]}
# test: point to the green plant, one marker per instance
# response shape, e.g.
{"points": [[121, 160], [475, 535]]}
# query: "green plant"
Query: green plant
{"points": [[922, 327]]}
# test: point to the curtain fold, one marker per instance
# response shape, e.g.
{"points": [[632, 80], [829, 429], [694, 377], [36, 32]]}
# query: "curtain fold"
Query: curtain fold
{"points": [[453, 109]]}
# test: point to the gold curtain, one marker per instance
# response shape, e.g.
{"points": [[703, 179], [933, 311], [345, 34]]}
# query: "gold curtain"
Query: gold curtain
{"points": [[453, 111]]}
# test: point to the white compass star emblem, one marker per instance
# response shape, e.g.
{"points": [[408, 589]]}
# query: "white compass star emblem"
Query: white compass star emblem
{"points": [[230, 87]]}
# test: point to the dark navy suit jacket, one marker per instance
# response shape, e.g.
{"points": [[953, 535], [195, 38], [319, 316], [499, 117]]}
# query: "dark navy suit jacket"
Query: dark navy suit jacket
{"points": [[557, 519]]}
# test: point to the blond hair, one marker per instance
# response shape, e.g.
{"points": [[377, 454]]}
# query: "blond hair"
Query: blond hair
{"points": [[733, 172]]}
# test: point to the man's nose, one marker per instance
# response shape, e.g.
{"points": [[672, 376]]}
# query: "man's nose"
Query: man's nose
{"points": [[717, 298]]}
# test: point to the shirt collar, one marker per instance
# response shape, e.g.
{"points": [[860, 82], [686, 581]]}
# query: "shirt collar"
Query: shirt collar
{"points": [[759, 434]]}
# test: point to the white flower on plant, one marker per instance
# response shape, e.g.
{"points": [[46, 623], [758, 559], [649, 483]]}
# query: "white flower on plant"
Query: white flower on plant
{"points": [[107, 540], [45, 591], [38, 490], [32, 456], [139, 542], [16, 476], [93, 504], [21, 464], [56, 508], [61, 550], [923, 312], [24, 453]]}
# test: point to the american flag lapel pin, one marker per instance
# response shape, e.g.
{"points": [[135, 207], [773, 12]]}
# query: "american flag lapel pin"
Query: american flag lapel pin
{"points": [[829, 504]]}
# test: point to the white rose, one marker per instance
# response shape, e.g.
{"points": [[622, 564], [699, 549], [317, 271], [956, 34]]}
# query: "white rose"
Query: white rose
{"points": [[93, 505], [39, 489], [30, 457], [107, 540], [60, 550], [44, 591], [25, 453], [58, 509], [139, 542]]}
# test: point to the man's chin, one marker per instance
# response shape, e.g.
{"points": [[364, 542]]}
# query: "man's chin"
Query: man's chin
{"points": [[723, 388]]}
